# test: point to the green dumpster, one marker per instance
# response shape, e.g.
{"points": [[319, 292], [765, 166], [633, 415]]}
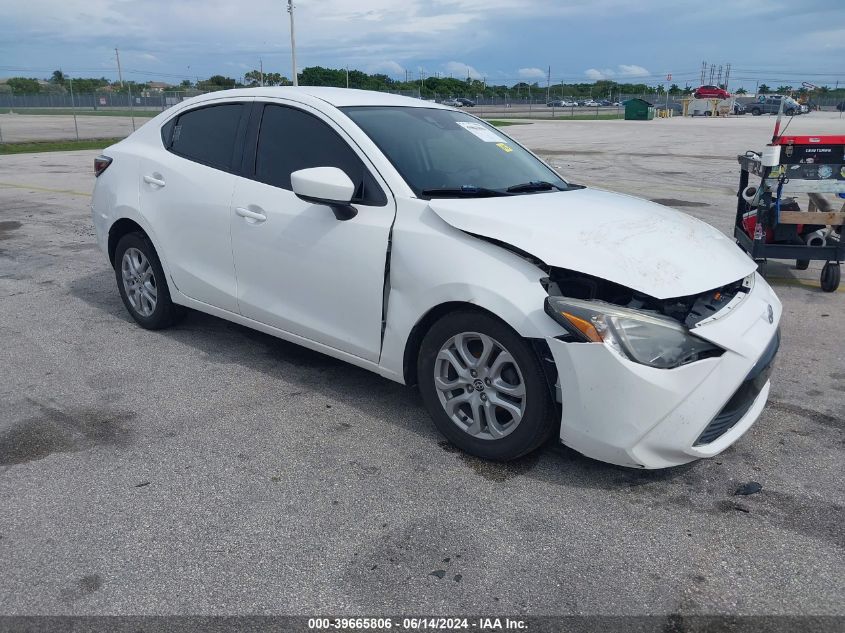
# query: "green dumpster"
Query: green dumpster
{"points": [[638, 110]]}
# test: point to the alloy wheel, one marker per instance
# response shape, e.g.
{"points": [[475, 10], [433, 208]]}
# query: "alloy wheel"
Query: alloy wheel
{"points": [[139, 282], [480, 385]]}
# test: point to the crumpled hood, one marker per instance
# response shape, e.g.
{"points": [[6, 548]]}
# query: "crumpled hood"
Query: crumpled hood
{"points": [[639, 244]]}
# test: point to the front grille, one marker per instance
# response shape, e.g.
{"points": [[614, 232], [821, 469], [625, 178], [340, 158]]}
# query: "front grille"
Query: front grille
{"points": [[743, 398]]}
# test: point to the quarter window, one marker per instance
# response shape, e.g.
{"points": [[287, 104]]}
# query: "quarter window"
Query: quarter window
{"points": [[290, 140], [206, 135]]}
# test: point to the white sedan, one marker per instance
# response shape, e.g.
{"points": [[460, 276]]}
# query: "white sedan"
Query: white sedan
{"points": [[421, 243]]}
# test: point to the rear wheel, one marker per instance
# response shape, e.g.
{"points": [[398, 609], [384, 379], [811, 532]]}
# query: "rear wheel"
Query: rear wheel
{"points": [[484, 387], [756, 111], [802, 264], [142, 285]]}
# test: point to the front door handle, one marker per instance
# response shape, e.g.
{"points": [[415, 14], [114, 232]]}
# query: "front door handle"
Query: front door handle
{"points": [[250, 215], [152, 180]]}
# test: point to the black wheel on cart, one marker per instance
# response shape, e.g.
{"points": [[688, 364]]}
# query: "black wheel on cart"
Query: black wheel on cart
{"points": [[761, 266], [830, 277], [802, 264]]}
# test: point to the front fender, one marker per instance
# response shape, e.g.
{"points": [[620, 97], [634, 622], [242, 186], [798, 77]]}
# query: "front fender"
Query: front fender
{"points": [[433, 263]]}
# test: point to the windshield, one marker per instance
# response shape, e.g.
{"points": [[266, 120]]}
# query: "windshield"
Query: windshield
{"points": [[443, 153]]}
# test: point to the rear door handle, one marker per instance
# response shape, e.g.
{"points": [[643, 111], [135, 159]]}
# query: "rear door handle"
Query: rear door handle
{"points": [[250, 215], [152, 180]]}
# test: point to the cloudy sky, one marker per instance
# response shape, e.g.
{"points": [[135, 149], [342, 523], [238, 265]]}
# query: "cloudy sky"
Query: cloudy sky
{"points": [[503, 40]]}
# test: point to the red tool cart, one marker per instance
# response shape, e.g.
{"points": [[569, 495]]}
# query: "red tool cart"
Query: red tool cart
{"points": [[769, 221]]}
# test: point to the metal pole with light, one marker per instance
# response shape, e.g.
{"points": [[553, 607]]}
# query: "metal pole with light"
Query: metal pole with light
{"points": [[292, 44]]}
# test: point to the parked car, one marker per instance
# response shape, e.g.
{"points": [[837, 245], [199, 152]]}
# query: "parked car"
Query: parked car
{"points": [[589, 103], [771, 105], [421, 243], [711, 92], [467, 103], [557, 103], [569, 103], [452, 103], [605, 103]]}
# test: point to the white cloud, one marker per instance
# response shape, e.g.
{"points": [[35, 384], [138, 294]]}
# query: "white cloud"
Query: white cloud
{"points": [[461, 70], [388, 67], [833, 39], [633, 70], [622, 70], [595, 74], [532, 73]]}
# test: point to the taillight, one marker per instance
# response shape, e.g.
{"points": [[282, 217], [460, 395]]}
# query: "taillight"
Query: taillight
{"points": [[101, 163]]}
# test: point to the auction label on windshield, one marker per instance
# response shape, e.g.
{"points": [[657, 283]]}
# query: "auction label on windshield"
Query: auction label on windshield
{"points": [[481, 132]]}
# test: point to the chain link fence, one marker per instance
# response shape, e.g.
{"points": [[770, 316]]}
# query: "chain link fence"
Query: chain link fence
{"points": [[109, 115]]}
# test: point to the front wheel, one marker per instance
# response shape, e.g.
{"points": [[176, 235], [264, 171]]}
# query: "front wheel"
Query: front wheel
{"points": [[484, 387]]}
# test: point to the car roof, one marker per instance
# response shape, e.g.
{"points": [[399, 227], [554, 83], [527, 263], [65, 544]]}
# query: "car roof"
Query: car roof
{"points": [[338, 97]]}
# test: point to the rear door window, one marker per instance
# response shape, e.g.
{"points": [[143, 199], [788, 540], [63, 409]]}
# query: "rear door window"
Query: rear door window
{"points": [[290, 140], [206, 135]]}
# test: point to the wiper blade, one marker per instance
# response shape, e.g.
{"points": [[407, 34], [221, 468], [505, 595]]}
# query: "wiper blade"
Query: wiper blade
{"points": [[466, 191], [534, 185]]}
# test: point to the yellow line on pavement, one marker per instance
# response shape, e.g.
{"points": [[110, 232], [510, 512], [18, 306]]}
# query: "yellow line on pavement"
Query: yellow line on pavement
{"points": [[791, 281], [71, 192]]}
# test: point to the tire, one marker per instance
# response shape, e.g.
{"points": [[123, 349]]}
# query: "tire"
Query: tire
{"points": [[830, 277], [503, 440], [708, 113], [802, 264], [149, 304], [790, 112], [756, 111]]}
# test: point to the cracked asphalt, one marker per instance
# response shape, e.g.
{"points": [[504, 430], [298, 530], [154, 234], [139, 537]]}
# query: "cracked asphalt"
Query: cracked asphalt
{"points": [[210, 469]]}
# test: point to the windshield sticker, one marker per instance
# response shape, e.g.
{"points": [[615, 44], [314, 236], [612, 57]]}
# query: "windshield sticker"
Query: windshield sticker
{"points": [[480, 132], [505, 148]]}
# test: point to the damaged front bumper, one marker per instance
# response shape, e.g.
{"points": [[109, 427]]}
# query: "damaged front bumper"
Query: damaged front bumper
{"points": [[629, 414]]}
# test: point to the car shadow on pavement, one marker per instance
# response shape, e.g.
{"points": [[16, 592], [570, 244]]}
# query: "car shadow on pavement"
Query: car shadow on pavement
{"points": [[224, 342]]}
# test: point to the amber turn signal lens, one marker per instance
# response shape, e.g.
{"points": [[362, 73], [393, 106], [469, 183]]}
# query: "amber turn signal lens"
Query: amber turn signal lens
{"points": [[585, 327]]}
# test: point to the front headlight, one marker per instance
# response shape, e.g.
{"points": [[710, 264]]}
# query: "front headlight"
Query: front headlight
{"points": [[644, 338]]}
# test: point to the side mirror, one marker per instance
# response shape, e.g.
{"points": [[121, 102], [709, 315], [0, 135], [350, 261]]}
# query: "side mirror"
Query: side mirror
{"points": [[329, 186]]}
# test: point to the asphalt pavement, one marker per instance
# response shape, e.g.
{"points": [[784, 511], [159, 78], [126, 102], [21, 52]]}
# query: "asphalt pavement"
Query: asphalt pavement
{"points": [[210, 469]]}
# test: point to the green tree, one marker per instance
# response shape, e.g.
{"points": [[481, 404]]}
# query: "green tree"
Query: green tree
{"points": [[217, 82], [784, 89], [741, 91], [58, 77], [763, 89], [24, 85], [253, 78]]}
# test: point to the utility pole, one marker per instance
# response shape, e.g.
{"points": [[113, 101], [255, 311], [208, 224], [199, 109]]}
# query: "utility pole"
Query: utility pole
{"points": [[292, 44], [119, 73], [421, 82], [727, 75], [73, 108], [347, 76], [261, 66], [548, 84]]}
